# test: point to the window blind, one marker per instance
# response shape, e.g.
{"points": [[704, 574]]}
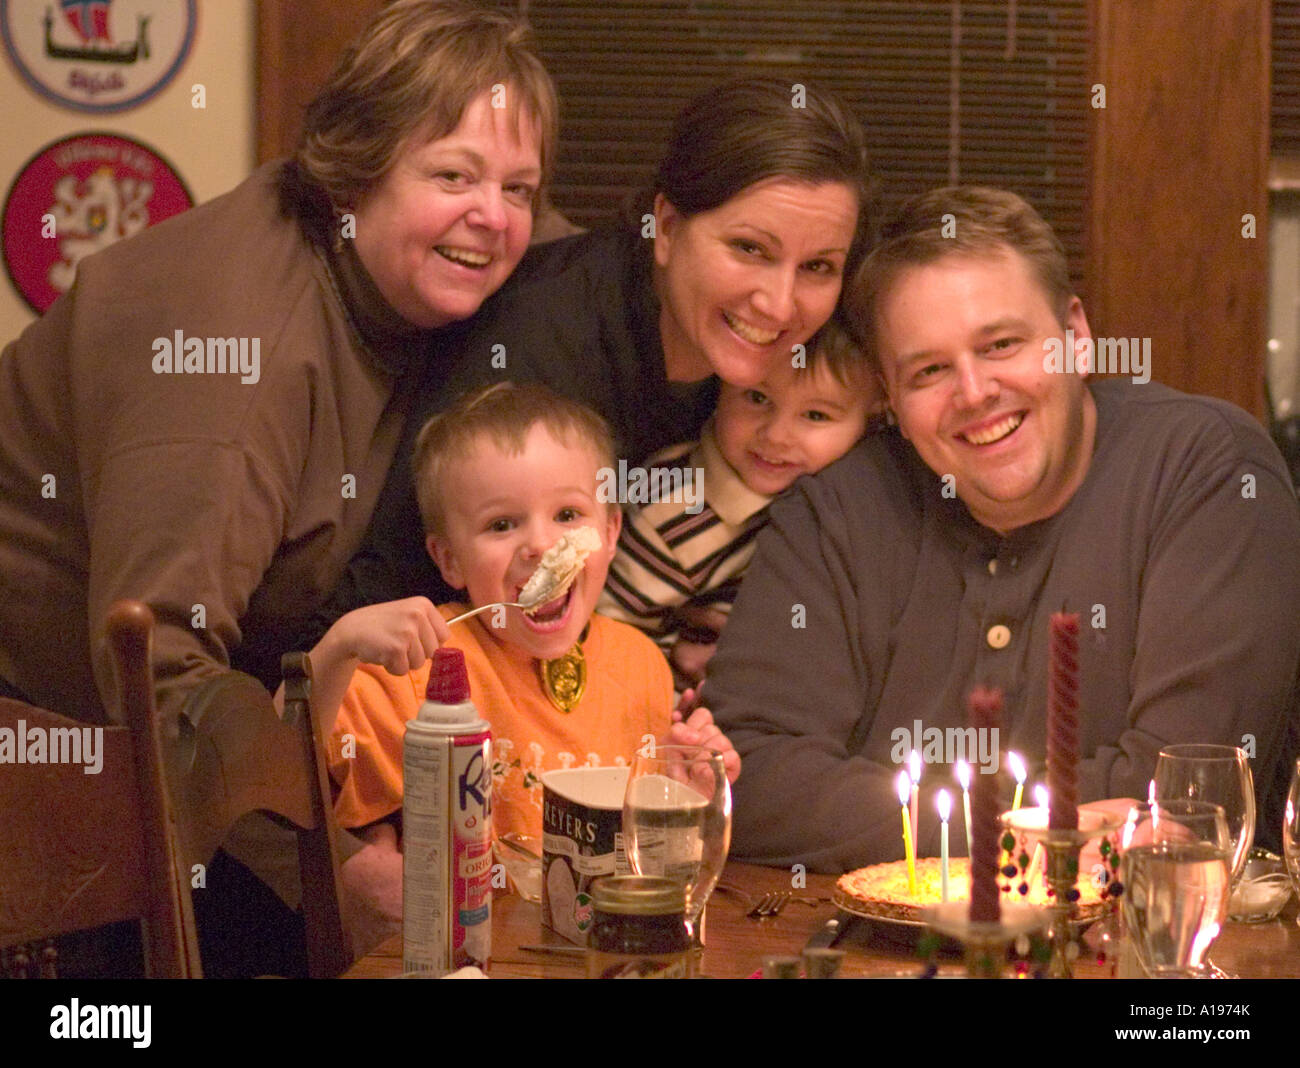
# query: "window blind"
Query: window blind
{"points": [[983, 91]]}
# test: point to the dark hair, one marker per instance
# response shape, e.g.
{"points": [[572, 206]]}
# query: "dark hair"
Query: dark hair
{"points": [[835, 348], [414, 70], [743, 132]]}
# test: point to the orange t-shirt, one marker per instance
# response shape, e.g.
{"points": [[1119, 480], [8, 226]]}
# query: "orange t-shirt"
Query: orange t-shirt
{"points": [[628, 696]]}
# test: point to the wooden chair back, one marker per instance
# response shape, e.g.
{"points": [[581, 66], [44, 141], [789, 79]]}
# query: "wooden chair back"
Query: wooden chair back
{"points": [[83, 822], [234, 755]]}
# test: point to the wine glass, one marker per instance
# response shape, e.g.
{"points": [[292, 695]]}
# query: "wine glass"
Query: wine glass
{"points": [[1177, 878], [1219, 774], [1291, 831], [677, 820]]}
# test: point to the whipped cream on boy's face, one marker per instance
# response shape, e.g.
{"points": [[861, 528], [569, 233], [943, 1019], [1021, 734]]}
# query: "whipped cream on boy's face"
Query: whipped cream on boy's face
{"points": [[503, 512], [559, 566]]}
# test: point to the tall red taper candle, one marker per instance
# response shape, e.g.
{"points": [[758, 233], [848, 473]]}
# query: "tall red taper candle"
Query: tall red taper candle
{"points": [[984, 707], [1063, 722]]}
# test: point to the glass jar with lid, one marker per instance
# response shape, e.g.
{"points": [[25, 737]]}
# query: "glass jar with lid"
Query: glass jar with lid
{"points": [[639, 929]]}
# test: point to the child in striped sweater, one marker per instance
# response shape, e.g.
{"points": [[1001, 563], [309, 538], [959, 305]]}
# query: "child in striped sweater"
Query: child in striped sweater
{"points": [[683, 551]]}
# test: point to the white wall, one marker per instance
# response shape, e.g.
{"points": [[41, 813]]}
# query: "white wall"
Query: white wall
{"points": [[212, 149]]}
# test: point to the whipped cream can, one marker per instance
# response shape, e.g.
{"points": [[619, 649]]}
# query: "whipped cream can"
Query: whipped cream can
{"points": [[447, 827]]}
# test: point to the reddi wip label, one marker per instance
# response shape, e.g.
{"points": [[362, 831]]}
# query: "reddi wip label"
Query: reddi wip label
{"points": [[447, 845]]}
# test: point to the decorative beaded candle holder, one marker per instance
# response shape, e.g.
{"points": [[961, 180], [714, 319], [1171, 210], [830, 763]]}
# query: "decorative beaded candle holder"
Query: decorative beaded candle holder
{"points": [[1027, 827]]}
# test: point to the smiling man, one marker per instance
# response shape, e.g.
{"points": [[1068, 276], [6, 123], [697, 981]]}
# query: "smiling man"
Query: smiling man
{"points": [[930, 558]]}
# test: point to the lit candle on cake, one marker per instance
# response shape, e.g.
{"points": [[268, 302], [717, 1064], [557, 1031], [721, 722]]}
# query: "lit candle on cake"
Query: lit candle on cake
{"points": [[904, 789], [1019, 771], [1063, 721], [914, 770], [963, 777], [984, 708], [944, 802]]}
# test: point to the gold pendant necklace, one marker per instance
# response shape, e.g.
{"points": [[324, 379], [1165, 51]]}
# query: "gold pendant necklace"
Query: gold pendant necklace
{"points": [[565, 678]]}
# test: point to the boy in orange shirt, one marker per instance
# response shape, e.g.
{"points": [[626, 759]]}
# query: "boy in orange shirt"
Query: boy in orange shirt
{"points": [[500, 478]]}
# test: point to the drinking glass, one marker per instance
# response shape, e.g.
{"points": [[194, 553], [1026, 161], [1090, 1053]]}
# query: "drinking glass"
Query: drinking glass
{"points": [[1291, 831], [1219, 774], [1176, 875], [677, 820]]}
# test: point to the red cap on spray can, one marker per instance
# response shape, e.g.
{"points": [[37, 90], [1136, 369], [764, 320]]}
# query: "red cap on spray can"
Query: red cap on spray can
{"points": [[448, 679]]}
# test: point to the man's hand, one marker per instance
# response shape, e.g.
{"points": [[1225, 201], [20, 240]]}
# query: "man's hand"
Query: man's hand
{"points": [[1090, 861], [372, 890]]}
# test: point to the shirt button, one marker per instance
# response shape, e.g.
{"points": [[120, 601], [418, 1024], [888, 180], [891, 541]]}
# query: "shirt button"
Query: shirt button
{"points": [[993, 566], [998, 636]]}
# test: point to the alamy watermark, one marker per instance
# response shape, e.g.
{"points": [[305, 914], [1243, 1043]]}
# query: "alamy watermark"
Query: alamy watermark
{"points": [[181, 355], [75, 1020], [946, 745], [53, 745], [1101, 355], [654, 485]]}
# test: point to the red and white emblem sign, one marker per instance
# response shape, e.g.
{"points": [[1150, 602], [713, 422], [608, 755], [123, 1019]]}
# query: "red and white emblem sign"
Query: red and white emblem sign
{"points": [[97, 55], [75, 197]]}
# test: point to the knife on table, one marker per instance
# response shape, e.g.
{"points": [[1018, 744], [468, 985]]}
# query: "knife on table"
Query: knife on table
{"points": [[829, 933]]}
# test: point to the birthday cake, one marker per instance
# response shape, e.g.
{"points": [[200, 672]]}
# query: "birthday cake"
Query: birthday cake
{"points": [[881, 890]]}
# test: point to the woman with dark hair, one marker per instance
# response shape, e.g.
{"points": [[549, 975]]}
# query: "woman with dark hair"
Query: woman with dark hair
{"points": [[760, 208]]}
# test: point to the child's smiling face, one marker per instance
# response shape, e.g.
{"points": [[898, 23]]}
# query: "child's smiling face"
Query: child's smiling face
{"points": [[792, 423], [502, 511]]}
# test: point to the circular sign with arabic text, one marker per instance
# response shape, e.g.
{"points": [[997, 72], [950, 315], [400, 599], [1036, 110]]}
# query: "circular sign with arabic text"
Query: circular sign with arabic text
{"points": [[75, 197], [97, 55]]}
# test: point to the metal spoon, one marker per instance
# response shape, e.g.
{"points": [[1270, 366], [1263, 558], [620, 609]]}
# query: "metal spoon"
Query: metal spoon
{"points": [[559, 583]]}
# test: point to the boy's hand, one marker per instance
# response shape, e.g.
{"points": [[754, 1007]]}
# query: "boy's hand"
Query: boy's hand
{"points": [[399, 636], [699, 729]]}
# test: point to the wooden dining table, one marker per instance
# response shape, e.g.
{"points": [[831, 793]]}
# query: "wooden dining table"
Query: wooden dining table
{"points": [[735, 945]]}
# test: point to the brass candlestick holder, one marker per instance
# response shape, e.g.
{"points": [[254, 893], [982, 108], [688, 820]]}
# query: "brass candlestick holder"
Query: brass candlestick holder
{"points": [[1061, 848], [984, 943]]}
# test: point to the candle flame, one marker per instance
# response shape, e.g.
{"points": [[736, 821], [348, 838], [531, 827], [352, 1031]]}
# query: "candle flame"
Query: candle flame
{"points": [[914, 765], [963, 774], [904, 787], [1041, 796], [1017, 766], [944, 801]]}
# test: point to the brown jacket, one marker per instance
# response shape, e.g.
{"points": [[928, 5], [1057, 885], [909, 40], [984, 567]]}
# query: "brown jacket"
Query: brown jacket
{"points": [[228, 501]]}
